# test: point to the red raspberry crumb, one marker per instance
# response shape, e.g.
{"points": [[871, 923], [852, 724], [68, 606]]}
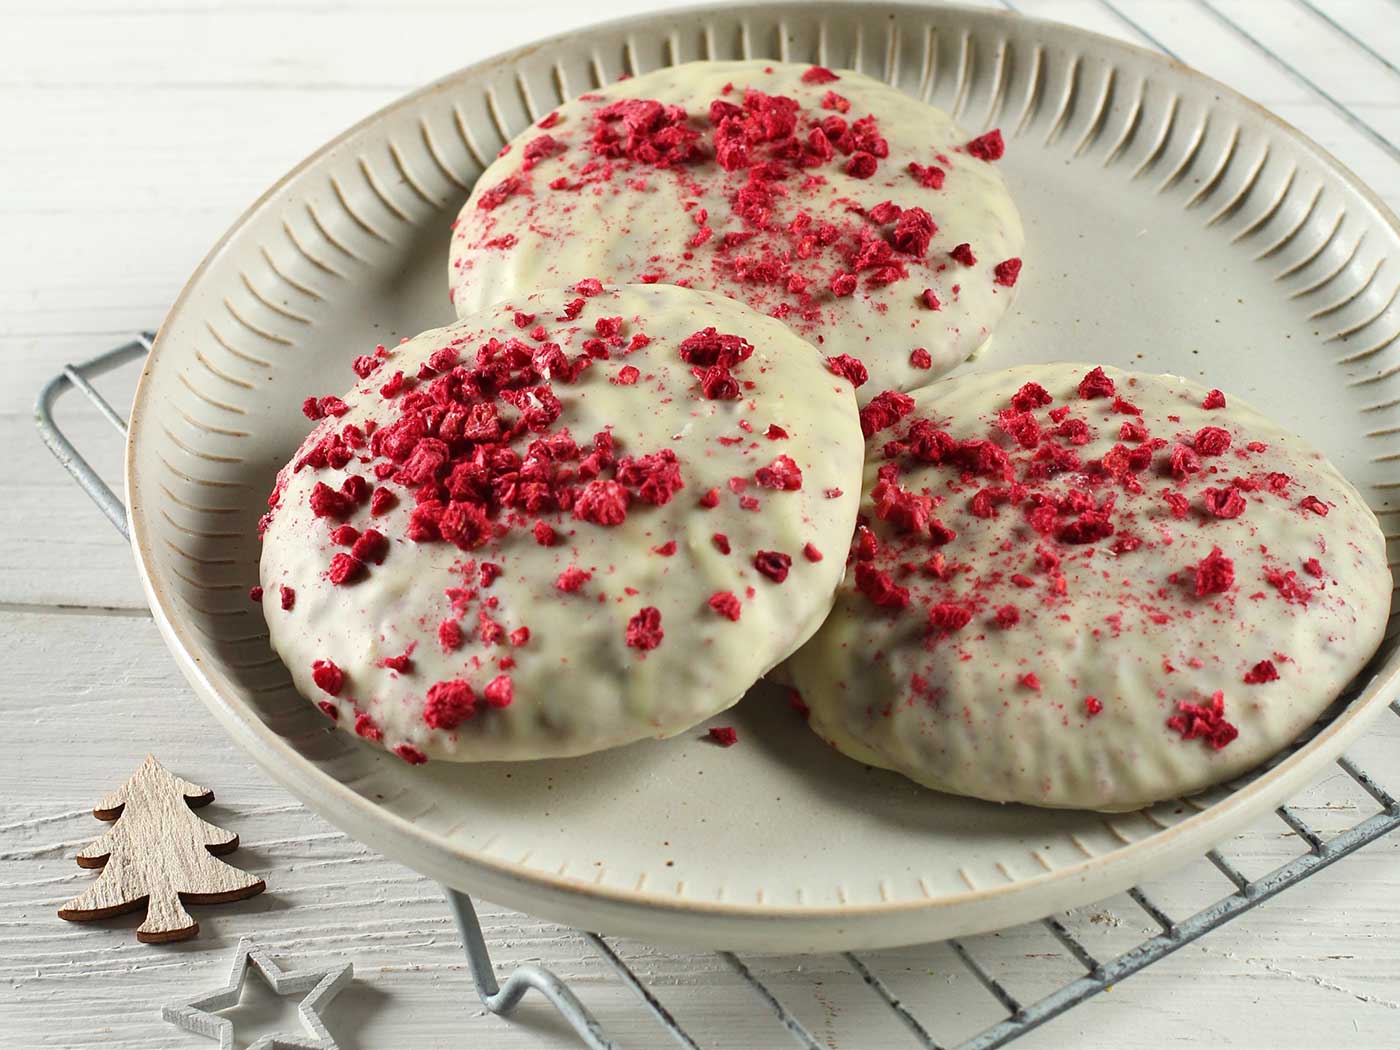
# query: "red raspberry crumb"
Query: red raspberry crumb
{"points": [[627, 375], [326, 502], [1263, 671], [726, 604], [811, 553], [311, 408], [928, 176], [1030, 680], [1312, 567], [920, 358], [381, 502], [365, 727], [913, 231], [708, 347], [490, 573], [710, 499], [862, 165], [1092, 706], [1204, 721], [1006, 272], [879, 587], [1214, 399], [963, 254], [403, 663], [884, 410], [500, 691], [774, 432], [666, 549], [1223, 503], [644, 630], [1008, 616], [1215, 574], [782, 474], [721, 542], [589, 286], [1030, 396], [717, 383], [328, 676], [949, 617], [344, 535], [450, 635], [602, 503], [371, 546], [345, 569], [819, 75], [449, 704], [408, 753], [843, 284], [773, 564], [1211, 441], [255, 594], [929, 300], [990, 146], [1315, 505], [571, 579], [288, 596], [1182, 462], [545, 535], [724, 736], [848, 367], [329, 710], [798, 705], [1096, 384], [520, 636]]}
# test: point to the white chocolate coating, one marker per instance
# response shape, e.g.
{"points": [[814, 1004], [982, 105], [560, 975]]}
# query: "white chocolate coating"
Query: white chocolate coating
{"points": [[1121, 619], [629, 220], [578, 685]]}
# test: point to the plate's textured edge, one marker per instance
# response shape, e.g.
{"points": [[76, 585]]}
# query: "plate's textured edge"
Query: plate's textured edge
{"points": [[1089, 99]]}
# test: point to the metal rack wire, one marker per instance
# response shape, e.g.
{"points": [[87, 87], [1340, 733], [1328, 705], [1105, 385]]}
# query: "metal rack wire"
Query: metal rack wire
{"points": [[1019, 1018], [1099, 974]]}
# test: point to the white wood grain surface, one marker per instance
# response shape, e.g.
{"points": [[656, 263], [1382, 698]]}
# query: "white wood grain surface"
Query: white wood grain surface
{"points": [[132, 132]]}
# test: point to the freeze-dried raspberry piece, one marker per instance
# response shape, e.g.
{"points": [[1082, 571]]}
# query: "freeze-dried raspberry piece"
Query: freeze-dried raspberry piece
{"points": [[366, 727], [928, 176], [403, 663], [862, 165], [963, 253], [1312, 567], [1089, 527], [345, 569], [288, 597], [929, 299], [949, 617], [726, 604], [1214, 399], [450, 636], [372, 545], [1182, 462], [1092, 706], [782, 473], [255, 595], [1215, 574], [326, 502], [717, 383], [1006, 272], [724, 736], [1030, 396], [381, 502], [449, 704], [328, 677], [708, 347], [1204, 722], [1315, 505], [410, 754], [884, 410], [721, 542], [571, 579], [848, 367], [843, 284], [644, 629], [773, 564], [990, 146], [710, 499], [1263, 671], [499, 692], [1096, 383], [1008, 616], [627, 375], [655, 478], [602, 502], [819, 75], [1223, 503], [498, 194], [1211, 441], [545, 535], [879, 587], [913, 231]]}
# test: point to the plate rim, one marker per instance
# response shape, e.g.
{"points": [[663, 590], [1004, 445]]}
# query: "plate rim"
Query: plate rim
{"points": [[340, 805]]}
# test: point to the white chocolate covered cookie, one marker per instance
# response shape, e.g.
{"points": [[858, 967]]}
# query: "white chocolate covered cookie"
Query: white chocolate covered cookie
{"points": [[1090, 589], [578, 519], [866, 220]]}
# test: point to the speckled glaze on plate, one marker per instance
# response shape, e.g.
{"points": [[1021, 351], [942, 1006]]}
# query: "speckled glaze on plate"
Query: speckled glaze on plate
{"points": [[1171, 226]]}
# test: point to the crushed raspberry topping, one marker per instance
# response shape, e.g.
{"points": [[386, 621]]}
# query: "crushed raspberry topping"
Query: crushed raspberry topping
{"points": [[848, 367], [1204, 722], [724, 736], [1215, 574], [773, 564], [1096, 384], [644, 629], [725, 603], [449, 704], [990, 146], [782, 473], [1315, 505], [1263, 671], [328, 677], [1214, 399], [1006, 272]]}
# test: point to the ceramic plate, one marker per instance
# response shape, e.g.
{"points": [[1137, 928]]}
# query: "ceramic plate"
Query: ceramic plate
{"points": [[1172, 226]]}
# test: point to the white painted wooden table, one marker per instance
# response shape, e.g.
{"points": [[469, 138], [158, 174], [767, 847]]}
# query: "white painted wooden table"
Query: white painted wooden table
{"points": [[132, 132]]}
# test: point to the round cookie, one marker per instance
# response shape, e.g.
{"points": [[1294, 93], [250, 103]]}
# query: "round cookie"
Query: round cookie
{"points": [[573, 521], [1090, 589], [866, 220]]}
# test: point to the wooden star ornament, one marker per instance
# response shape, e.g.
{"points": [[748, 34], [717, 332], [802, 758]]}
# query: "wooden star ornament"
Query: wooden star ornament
{"points": [[158, 855]]}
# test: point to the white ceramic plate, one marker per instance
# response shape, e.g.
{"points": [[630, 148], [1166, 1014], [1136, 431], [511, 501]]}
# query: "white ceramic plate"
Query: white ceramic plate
{"points": [[1172, 225]]}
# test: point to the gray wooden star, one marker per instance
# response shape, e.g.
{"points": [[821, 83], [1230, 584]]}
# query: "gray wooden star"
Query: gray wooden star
{"points": [[196, 1015]]}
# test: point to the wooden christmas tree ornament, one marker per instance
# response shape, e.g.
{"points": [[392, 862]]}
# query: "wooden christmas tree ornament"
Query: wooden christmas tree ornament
{"points": [[158, 855]]}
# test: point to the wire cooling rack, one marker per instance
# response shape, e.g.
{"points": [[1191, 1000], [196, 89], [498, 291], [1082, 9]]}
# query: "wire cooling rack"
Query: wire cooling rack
{"points": [[1096, 974]]}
